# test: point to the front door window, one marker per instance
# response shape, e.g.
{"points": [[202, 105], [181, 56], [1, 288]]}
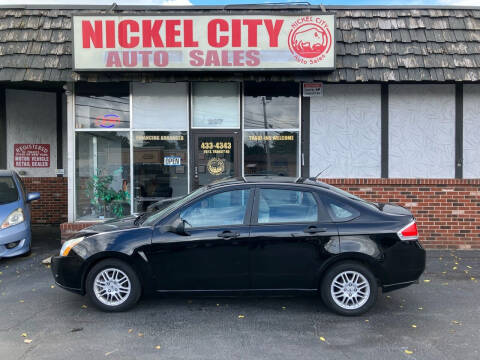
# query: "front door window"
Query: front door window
{"points": [[222, 209]]}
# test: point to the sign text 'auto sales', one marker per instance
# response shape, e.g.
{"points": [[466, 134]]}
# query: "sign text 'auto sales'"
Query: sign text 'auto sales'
{"points": [[204, 42]]}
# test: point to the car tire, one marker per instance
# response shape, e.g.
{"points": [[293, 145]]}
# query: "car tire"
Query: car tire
{"points": [[113, 285], [349, 288]]}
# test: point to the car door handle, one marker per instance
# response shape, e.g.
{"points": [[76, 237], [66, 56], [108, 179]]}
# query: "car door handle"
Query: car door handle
{"points": [[314, 230], [228, 234]]}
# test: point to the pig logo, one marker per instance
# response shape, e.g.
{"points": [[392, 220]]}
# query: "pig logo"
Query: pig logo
{"points": [[310, 40]]}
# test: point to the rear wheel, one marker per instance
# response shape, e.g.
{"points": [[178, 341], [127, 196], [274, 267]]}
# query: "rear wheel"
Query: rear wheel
{"points": [[349, 288], [112, 285]]}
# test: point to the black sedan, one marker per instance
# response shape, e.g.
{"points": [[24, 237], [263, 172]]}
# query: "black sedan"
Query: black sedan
{"points": [[250, 236]]}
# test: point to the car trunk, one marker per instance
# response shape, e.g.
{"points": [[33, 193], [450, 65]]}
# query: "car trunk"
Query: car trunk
{"points": [[394, 209]]}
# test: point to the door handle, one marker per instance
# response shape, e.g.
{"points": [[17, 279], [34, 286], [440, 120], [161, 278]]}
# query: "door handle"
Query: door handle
{"points": [[228, 234], [314, 230]]}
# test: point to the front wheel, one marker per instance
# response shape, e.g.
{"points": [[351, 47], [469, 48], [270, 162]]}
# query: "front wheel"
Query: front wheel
{"points": [[349, 288], [112, 285]]}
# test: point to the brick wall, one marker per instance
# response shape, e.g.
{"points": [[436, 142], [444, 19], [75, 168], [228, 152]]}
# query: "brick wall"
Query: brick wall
{"points": [[52, 208], [447, 210]]}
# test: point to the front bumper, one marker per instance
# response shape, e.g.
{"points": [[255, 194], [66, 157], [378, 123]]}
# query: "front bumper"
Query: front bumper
{"points": [[67, 273], [21, 233]]}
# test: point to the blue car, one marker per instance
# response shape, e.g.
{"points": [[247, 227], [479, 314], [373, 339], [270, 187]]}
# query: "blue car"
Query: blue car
{"points": [[15, 232]]}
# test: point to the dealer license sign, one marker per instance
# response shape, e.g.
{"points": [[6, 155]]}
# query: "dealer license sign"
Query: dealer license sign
{"points": [[200, 42]]}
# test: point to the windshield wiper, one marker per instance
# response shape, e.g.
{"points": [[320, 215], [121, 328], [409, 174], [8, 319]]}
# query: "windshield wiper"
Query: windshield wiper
{"points": [[140, 219]]}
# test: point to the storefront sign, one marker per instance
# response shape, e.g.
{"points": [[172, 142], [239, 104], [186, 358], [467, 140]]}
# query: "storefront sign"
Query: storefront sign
{"points": [[159, 137], [216, 148], [107, 121], [214, 42], [216, 166], [31, 155], [172, 161], [312, 89], [271, 138]]}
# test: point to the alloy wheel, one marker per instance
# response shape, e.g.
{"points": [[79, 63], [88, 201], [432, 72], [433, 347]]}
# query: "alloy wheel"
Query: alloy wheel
{"points": [[112, 287], [350, 290]]}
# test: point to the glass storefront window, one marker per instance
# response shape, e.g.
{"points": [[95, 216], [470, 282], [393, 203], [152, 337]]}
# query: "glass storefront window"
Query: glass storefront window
{"points": [[102, 175], [160, 106], [271, 153], [102, 106], [216, 105], [160, 166], [271, 105]]}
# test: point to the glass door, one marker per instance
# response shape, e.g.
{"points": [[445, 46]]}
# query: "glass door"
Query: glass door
{"points": [[215, 156]]}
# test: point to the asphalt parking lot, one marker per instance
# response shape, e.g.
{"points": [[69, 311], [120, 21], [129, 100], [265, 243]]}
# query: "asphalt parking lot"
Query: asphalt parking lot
{"points": [[437, 319]]}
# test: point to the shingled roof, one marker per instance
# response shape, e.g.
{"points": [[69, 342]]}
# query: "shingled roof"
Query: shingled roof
{"points": [[373, 44]]}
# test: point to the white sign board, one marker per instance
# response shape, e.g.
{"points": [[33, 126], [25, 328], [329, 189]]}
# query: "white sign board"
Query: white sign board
{"points": [[312, 89], [199, 42], [172, 161]]}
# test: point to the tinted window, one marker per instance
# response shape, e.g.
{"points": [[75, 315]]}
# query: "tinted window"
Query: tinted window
{"points": [[8, 190], [340, 211], [226, 208], [152, 219], [286, 206]]}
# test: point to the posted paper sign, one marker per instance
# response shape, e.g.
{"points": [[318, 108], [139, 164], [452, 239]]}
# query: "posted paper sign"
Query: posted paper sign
{"points": [[312, 89], [196, 42], [31, 155]]}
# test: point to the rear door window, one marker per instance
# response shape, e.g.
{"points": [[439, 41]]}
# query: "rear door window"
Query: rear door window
{"points": [[286, 206], [8, 190]]}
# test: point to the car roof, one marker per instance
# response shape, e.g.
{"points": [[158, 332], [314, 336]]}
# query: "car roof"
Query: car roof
{"points": [[268, 180]]}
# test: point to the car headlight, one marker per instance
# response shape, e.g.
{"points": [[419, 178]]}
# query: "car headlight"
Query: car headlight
{"points": [[15, 218], [68, 245]]}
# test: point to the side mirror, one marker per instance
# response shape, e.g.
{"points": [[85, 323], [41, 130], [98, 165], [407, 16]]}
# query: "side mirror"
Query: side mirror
{"points": [[33, 196], [178, 227]]}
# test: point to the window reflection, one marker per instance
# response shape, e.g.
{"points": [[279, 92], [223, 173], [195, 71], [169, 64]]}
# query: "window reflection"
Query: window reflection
{"points": [[216, 105], [271, 105], [232, 206], [102, 175], [104, 106], [160, 166], [271, 153]]}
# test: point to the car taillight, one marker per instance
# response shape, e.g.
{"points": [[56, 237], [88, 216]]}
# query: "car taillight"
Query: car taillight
{"points": [[409, 232]]}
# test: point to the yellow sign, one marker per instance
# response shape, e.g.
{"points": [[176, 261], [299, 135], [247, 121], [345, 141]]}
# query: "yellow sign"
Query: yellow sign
{"points": [[159, 137], [271, 137], [216, 148], [216, 166]]}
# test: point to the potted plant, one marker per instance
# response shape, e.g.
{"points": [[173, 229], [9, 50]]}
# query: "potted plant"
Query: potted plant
{"points": [[106, 200]]}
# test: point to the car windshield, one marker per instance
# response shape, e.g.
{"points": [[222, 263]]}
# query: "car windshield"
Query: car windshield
{"points": [[153, 218], [8, 190]]}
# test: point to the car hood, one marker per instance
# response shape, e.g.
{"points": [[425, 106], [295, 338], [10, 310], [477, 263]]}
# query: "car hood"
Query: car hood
{"points": [[127, 222], [6, 209]]}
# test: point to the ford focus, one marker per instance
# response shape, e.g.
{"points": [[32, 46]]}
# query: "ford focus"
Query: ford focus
{"points": [[256, 236]]}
